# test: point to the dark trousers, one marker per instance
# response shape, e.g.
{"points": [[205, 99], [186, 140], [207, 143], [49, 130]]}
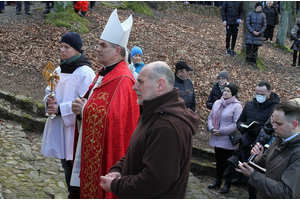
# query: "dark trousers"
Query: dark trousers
{"points": [[19, 5], [231, 30], [2, 5], [48, 6], [67, 165], [245, 154], [295, 57], [251, 53], [92, 4], [222, 156]]}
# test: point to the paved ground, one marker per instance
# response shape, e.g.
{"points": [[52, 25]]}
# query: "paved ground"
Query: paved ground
{"points": [[26, 174]]}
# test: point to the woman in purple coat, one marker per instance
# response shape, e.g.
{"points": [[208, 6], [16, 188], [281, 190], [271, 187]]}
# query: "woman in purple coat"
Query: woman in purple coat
{"points": [[221, 123]]}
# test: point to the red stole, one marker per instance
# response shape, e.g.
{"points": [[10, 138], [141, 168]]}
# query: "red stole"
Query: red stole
{"points": [[109, 119]]}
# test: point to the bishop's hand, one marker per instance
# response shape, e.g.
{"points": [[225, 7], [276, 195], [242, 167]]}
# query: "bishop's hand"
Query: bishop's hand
{"points": [[77, 105]]}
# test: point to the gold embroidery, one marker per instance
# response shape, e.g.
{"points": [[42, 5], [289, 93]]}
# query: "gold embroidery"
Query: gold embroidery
{"points": [[92, 143]]}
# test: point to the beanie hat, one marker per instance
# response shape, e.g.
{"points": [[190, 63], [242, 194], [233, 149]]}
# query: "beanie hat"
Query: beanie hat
{"points": [[183, 65], [233, 88], [136, 50], [258, 4], [72, 39], [224, 74]]}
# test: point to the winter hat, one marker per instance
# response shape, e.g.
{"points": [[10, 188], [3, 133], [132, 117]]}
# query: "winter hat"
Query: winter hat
{"points": [[258, 4], [183, 65], [224, 74], [136, 50], [233, 88], [72, 39]]}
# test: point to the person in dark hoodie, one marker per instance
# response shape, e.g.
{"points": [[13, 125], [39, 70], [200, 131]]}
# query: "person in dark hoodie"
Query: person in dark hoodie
{"points": [[259, 110], [256, 26], [75, 77], [157, 161]]}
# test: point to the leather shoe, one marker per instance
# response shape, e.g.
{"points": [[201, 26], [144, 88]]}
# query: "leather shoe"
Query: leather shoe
{"points": [[17, 12], [226, 188], [217, 183], [46, 11], [28, 12]]}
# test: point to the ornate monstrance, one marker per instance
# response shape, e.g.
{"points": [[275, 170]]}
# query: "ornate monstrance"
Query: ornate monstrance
{"points": [[51, 77]]}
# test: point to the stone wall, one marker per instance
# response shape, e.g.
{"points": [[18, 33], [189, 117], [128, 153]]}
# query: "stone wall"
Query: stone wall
{"points": [[198, 9]]}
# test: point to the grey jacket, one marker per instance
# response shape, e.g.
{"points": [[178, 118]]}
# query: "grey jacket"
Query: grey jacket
{"points": [[256, 21], [282, 177], [295, 36]]}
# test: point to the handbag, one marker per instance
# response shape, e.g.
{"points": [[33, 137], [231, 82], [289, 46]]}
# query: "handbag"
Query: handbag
{"points": [[235, 137]]}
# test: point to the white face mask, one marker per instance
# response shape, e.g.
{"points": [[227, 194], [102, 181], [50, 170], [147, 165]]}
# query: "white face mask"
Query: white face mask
{"points": [[260, 98]]}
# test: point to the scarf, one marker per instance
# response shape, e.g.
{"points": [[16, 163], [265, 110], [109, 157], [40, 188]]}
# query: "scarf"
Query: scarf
{"points": [[217, 113], [72, 59]]}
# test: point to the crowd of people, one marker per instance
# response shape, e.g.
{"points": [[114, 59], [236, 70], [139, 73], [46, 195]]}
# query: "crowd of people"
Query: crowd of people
{"points": [[78, 6], [127, 131]]}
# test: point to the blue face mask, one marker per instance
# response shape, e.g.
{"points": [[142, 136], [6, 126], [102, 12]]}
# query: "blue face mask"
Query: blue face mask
{"points": [[260, 98]]}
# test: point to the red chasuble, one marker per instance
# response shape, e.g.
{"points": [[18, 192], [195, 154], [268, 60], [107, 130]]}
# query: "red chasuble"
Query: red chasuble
{"points": [[109, 118]]}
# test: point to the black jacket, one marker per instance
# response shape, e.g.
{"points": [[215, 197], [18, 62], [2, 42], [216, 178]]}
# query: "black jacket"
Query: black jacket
{"points": [[186, 91], [254, 111], [231, 11], [271, 15], [215, 95], [71, 67]]}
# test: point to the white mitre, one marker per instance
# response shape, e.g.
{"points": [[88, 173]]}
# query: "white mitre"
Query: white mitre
{"points": [[116, 32]]}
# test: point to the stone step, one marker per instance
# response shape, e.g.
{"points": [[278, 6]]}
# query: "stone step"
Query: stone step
{"points": [[21, 109], [31, 115], [203, 162]]}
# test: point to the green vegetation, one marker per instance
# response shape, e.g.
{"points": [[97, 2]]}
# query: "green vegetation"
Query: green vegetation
{"points": [[283, 47], [136, 6], [259, 62], [26, 127], [66, 17]]}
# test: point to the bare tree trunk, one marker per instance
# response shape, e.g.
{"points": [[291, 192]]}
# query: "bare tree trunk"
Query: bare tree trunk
{"points": [[283, 26], [249, 6], [292, 18]]}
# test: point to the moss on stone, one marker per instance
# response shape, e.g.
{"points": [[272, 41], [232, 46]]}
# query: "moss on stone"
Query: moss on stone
{"points": [[136, 6], [66, 17]]}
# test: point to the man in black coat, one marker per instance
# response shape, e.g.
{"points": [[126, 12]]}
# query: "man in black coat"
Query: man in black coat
{"points": [[259, 109], [184, 84], [232, 15]]}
